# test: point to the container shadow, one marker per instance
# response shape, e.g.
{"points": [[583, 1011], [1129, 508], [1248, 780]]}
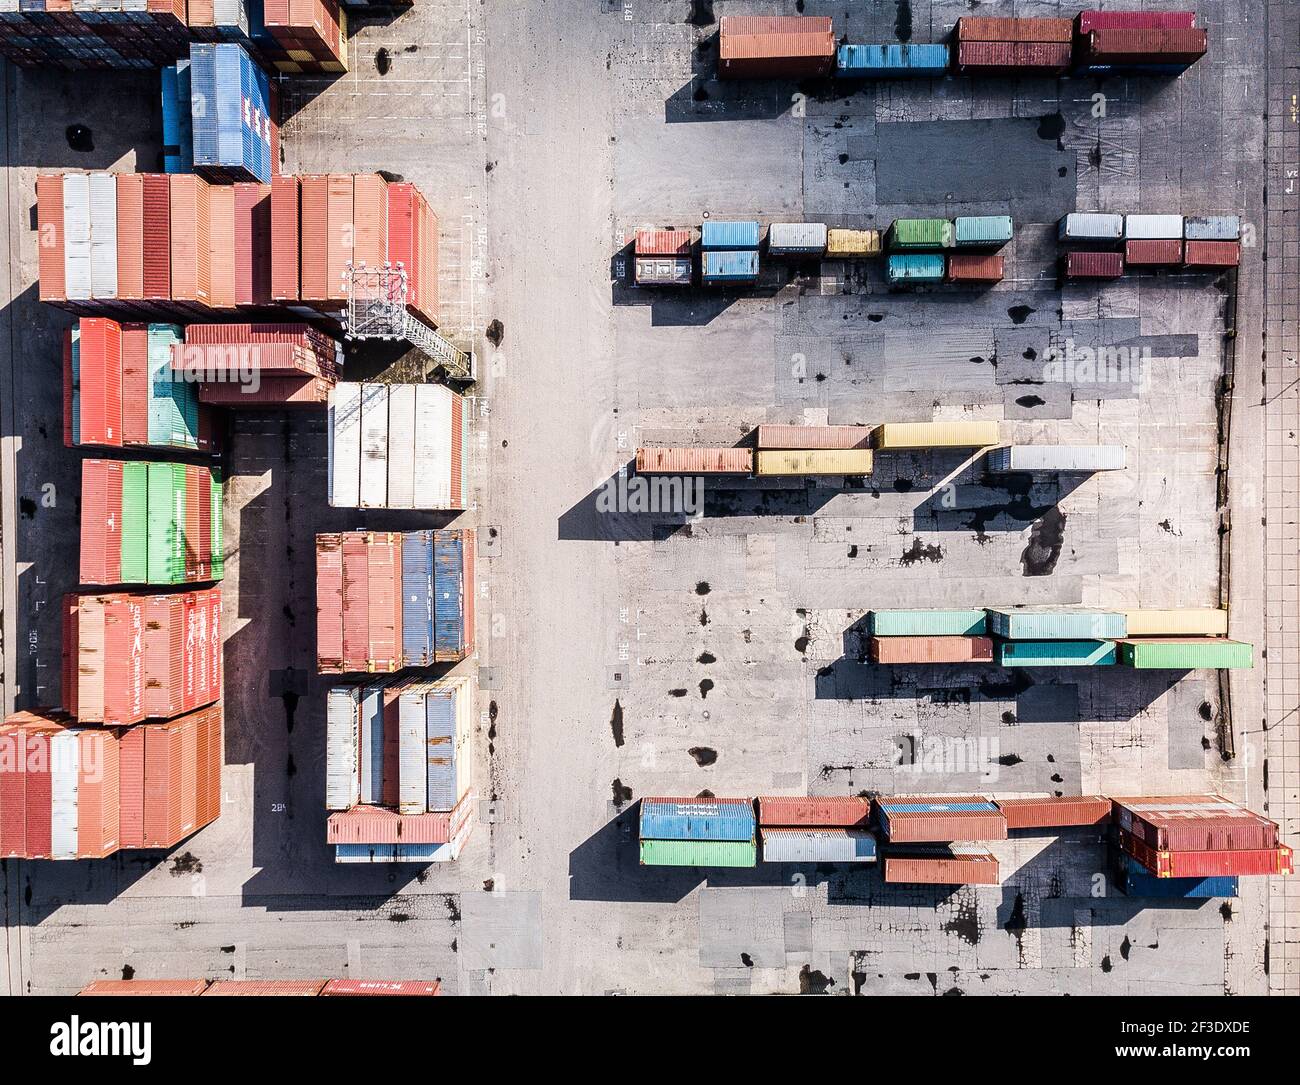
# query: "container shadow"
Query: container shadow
{"points": [[977, 500], [35, 889]]}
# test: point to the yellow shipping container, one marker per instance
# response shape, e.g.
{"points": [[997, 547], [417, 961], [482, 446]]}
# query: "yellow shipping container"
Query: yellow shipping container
{"points": [[937, 435], [815, 461], [1182, 622], [852, 242]]}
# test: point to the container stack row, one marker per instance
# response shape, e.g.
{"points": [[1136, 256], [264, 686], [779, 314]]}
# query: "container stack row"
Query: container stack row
{"points": [[261, 988], [961, 250], [397, 446], [827, 829], [1103, 246], [399, 769], [930, 840], [253, 366], [69, 791], [389, 600], [702, 832], [90, 35]]}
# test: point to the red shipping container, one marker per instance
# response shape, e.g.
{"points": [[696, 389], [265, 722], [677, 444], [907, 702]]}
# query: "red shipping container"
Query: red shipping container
{"points": [[221, 245], [817, 811], [1213, 254], [931, 650], [97, 793], [329, 604], [803, 437], [252, 244], [100, 383], [1158, 46], [941, 824], [135, 384], [1094, 265], [189, 652], [124, 988], [285, 239], [774, 47], [130, 236], [663, 242], [157, 276], [356, 613], [315, 238], [695, 461], [38, 794], [131, 787], [163, 817], [261, 988], [189, 804], [1047, 57], [49, 237], [68, 382], [1088, 21], [13, 799], [941, 866], [407, 988], [979, 29], [969, 267], [384, 599], [457, 452], [1054, 813], [392, 746], [101, 522], [164, 655], [1194, 823], [1146, 253], [341, 235], [1207, 864], [272, 392], [370, 196], [427, 300], [190, 245], [216, 668]]}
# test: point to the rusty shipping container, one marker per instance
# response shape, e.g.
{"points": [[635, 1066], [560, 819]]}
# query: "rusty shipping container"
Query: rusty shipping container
{"points": [[814, 811], [923, 819], [810, 437], [1094, 265], [1055, 812], [695, 461], [261, 988], [775, 47], [285, 239], [1207, 864], [975, 267], [1146, 46], [407, 988], [1212, 254], [979, 29], [1090, 20], [49, 237], [1194, 823], [651, 242], [955, 865], [1149, 253], [123, 988], [931, 650], [999, 56]]}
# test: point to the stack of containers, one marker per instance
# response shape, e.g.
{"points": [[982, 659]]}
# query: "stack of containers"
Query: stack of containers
{"points": [[130, 657], [916, 250], [370, 605], [227, 113], [813, 450], [73, 792], [119, 390], [323, 988], [1139, 42], [929, 636], [1212, 241], [1102, 234], [823, 829], [1189, 638], [399, 769], [891, 61], [694, 461], [978, 239], [305, 36], [929, 838], [662, 257], [1014, 46], [729, 252], [1198, 836], [397, 446], [775, 47], [149, 523], [1153, 240], [85, 35], [698, 832], [259, 365], [1055, 636], [268, 988]]}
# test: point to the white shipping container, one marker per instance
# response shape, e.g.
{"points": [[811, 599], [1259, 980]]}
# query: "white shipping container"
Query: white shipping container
{"points": [[1057, 458], [230, 13], [412, 779], [433, 407], [401, 446], [342, 743], [76, 236], [1090, 226], [796, 237], [345, 445], [65, 763], [374, 446], [1212, 228], [1153, 227], [103, 235]]}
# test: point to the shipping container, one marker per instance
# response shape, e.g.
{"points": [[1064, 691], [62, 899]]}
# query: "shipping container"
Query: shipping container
{"points": [[729, 267], [417, 598], [1060, 458], [1162, 46], [402, 988], [1153, 253], [1153, 227], [1207, 864], [918, 435], [122, 988], [914, 268], [920, 234], [975, 268], [818, 846], [716, 235], [1186, 653], [1194, 823], [383, 825], [1055, 812], [1090, 20], [1055, 653], [816, 811], [955, 864], [810, 437], [982, 231], [697, 819], [1090, 226], [892, 61], [699, 853], [652, 242], [924, 819], [230, 114], [821, 461], [928, 623], [342, 747], [796, 238], [1184, 622], [1212, 254], [970, 28], [1212, 228], [853, 242], [265, 988], [663, 270], [775, 47], [1134, 880], [931, 650], [1093, 265], [1056, 623], [1010, 58], [694, 461]]}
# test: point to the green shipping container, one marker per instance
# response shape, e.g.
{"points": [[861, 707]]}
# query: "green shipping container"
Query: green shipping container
{"points": [[1201, 653], [927, 623], [166, 523], [135, 522], [1057, 624], [982, 231], [921, 234], [698, 853], [218, 555], [1055, 653]]}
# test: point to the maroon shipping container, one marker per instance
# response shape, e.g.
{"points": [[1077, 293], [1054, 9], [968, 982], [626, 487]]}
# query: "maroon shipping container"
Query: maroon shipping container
{"points": [[157, 237], [931, 650], [1159, 46], [775, 46], [1147, 253], [941, 866], [1094, 265], [1055, 813], [273, 393], [940, 825], [252, 244], [1006, 56], [979, 29], [805, 437], [100, 382], [329, 604], [1088, 21], [135, 384], [815, 811], [970, 267], [1194, 823], [1213, 254], [408, 988], [695, 461], [663, 242]]}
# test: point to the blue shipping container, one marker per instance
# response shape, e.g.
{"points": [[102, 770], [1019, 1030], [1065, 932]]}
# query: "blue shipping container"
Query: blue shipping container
{"points": [[729, 235], [372, 744], [417, 598], [448, 596], [1064, 624], [919, 267], [892, 61], [1137, 881], [440, 732], [230, 108], [730, 267], [697, 819]]}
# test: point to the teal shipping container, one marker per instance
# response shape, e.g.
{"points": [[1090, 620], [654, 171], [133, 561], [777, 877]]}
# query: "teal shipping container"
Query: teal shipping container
{"points": [[892, 61], [729, 267], [915, 268], [928, 623], [1057, 624], [729, 235], [1055, 653], [982, 231]]}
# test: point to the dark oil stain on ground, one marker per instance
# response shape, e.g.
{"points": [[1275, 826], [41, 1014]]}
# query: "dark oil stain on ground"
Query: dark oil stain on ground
{"points": [[965, 922], [616, 723], [706, 658], [1040, 556], [1052, 126], [1225, 910], [1057, 778], [875, 318], [853, 551], [452, 903], [953, 991], [1009, 759], [702, 588], [920, 551], [1016, 683], [402, 917], [290, 702], [706, 684], [903, 21], [1125, 948], [128, 973], [812, 982], [496, 331], [1008, 717], [680, 691], [80, 138], [188, 863], [1167, 526], [1030, 401], [704, 617], [701, 13], [747, 960], [383, 60], [1207, 711], [27, 507], [1029, 354], [802, 640], [903, 485], [622, 793], [290, 768], [1106, 963], [703, 755], [1020, 313], [706, 794]]}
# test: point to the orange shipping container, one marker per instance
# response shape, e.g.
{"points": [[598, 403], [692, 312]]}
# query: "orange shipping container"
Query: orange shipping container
{"points": [[315, 238], [342, 234], [49, 237], [370, 197], [695, 461], [221, 245], [285, 239], [130, 236], [190, 260]]}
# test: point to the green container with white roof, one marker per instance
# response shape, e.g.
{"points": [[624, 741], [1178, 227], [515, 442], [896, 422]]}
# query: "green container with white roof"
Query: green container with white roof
{"points": [[135, 522], [218, 504], [1187, 654], [166, 561], [928, 623], [982, 231], [719, 853]]}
